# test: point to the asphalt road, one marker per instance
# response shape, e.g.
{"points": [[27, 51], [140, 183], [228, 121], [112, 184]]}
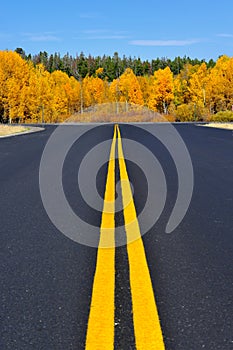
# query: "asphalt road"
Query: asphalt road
{"points": [[46, 278]]}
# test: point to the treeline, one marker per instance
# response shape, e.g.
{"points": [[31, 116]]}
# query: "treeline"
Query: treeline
{"points": [[113, 66], [30, 93]]}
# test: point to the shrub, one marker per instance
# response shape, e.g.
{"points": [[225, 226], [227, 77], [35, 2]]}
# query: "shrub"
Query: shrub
{"points": [[190, 112], [223, 116]]}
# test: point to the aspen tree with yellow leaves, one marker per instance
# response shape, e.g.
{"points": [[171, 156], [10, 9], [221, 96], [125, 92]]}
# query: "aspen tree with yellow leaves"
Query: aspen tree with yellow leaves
{"points": [[14, 75], [59, 105], [182, 84], [30, 97], [73, 93], [145, 86], [221, 85], [199, 85], [162, 90], [127, 89], [93, 91]]}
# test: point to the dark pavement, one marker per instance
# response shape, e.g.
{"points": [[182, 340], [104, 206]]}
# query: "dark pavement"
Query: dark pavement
{"points": [[46, 279]]}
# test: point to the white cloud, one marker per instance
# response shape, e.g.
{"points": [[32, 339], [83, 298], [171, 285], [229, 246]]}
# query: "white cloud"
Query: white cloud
{"points": [[43, 37], [103, 34], [107, 37], [94, 31], [225, 35], [164, 42]]}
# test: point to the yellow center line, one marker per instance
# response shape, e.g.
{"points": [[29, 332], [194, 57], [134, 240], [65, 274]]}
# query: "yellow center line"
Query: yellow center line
{"points": [[100, 330], [148, 334]]}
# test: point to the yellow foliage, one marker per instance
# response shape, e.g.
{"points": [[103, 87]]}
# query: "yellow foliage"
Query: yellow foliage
{"points": [[127, 88], [31, 94], [220, 88], [14, 75], [93, 91], [199, 85], [145, 86], [99, 71], [162, 89], [182, 93]]}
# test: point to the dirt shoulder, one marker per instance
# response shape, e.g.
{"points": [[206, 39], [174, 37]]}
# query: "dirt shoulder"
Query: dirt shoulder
{"points": [[228, 126], [13, 130]]}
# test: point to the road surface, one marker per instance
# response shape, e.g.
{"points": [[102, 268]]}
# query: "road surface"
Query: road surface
{"points": [[47, 280]]}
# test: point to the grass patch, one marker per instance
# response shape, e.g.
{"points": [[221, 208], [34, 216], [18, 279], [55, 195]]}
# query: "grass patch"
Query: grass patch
{"points": [[6, 130], [119, 113]]}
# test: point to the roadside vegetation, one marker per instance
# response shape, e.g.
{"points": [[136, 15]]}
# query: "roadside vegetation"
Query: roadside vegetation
{"points": [[10, 129], [50, 89]]}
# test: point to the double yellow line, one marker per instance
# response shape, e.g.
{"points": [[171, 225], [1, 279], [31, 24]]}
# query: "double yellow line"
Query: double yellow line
{"points": [[100, 330]]}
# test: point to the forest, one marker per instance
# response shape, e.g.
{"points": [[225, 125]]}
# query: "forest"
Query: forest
{"points": [[51, 88], [81, 66]]}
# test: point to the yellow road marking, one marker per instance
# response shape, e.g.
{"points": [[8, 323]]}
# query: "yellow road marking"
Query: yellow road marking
{"points": [[148, 334], [100, 330]]}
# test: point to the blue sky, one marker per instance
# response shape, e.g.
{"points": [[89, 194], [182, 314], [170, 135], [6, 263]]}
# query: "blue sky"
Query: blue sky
{"points": [[146, 29]]}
